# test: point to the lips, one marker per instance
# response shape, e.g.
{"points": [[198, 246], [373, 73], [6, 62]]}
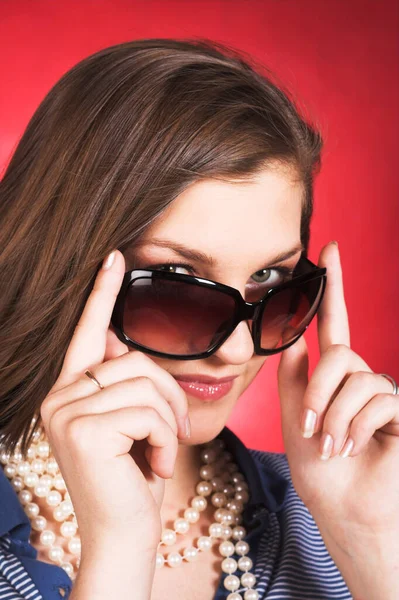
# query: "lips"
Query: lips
{"points": [[204, 387]]}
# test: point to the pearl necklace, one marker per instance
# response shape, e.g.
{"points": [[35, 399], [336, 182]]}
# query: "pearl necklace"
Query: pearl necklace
{"points": [[39, 476]]}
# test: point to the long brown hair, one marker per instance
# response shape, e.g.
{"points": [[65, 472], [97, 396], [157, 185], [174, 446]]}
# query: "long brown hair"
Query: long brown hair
{"points": [[112, 144]]}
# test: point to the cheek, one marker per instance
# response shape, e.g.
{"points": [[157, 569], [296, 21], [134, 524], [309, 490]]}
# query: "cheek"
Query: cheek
{"points": [[253, 368]]}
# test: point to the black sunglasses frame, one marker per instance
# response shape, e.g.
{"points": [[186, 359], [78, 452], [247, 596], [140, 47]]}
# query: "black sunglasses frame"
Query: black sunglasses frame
{"points": [[243, 310]]}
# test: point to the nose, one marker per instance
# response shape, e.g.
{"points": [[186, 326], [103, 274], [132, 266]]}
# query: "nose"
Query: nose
{"points": [[239, 346]]}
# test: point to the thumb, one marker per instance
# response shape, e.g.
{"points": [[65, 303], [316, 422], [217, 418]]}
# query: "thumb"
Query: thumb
{"points": [[292, 376]]}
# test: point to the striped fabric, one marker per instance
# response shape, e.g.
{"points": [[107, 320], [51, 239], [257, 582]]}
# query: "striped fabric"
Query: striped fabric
{"points": [[290, 559]]}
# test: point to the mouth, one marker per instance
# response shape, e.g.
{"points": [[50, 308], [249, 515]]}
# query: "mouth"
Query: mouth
{"points": [[207, 389]]}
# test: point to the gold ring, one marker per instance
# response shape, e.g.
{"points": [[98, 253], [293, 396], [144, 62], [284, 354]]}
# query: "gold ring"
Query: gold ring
{"points": [[91, 376]]}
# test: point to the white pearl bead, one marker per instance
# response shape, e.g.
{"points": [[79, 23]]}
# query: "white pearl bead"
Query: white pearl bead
{"points": [[224, 516], [23, 468], [181, 526], [74, 545], [47, 537], [46, 480], [174, 559], [234, 596], [226, 548], [199, 503], [215, 530], [236, 507], [32, 509], [41, 490], [191, 514], [219, 499], [229, 565], [204, 542], [66, 507], [38, 466], [208, 455], [226, 532], [54, 498], [32, 452], [242, 496], [5, 457], [59, 514], [17, 456], [240, 486], [207, 472], [248, 580], [204, 488], [10, 471], [231, 583], [25, 496], [242, 548], [17, 483], [239, 532], [245, 564], [39, 523], [51, 466], [68, 529], [56, 553], [190, 553], [160, 561], [68, 568], [43, 449], [168, 537], [251, 595], [59, 483], [31, 479]]}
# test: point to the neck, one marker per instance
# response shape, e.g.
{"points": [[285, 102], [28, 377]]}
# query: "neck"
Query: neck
{"points": [[180, 489]]}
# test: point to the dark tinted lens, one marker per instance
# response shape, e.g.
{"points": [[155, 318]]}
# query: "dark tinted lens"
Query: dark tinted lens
{"points": [[288, 313], [175, 317]]}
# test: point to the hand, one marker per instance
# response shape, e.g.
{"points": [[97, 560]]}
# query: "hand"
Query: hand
{"points": [[354, 500], [115, 482]]}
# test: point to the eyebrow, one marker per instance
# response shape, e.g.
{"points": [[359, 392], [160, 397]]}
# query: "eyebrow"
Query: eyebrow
{"points": [[198, 256]]}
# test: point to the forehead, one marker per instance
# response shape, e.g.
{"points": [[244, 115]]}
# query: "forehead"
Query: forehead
{"points": [[230, 219]]}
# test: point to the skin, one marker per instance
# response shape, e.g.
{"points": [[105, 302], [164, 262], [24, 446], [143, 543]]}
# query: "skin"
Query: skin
{"points": [[225, 211], [349, 399]]}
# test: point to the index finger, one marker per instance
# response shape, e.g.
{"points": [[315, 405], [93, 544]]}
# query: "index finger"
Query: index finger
{"points": [[332, 316], [88, 343]]}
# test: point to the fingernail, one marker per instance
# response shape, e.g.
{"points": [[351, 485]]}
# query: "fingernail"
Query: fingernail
{"points": [[188, 427], [326, 446], [334, 242], [347, 449], [308, 422], [109, 260], [184, 425]]}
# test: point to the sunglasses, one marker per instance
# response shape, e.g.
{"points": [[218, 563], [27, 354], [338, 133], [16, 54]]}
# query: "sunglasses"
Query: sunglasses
{"points": [[184, 317]]}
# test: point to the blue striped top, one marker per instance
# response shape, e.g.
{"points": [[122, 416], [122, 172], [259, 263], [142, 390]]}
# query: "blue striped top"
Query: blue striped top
{"points": [[290, 559]]}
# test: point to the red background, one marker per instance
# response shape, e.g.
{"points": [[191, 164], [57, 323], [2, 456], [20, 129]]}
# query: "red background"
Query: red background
{"points": [[341, 59]]}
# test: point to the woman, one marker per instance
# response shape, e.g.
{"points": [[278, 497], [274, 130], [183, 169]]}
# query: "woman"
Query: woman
{"points": [[199, 171]]}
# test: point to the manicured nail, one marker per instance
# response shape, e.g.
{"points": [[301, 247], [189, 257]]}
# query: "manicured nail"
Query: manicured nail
{"points": [[308, 422], [347, 449], [326, 446], [188, 427], [109, 260], [184, 426]]}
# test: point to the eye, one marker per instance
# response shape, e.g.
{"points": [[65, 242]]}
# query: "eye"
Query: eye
{"points": [[172, 267], [271, 277]]}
